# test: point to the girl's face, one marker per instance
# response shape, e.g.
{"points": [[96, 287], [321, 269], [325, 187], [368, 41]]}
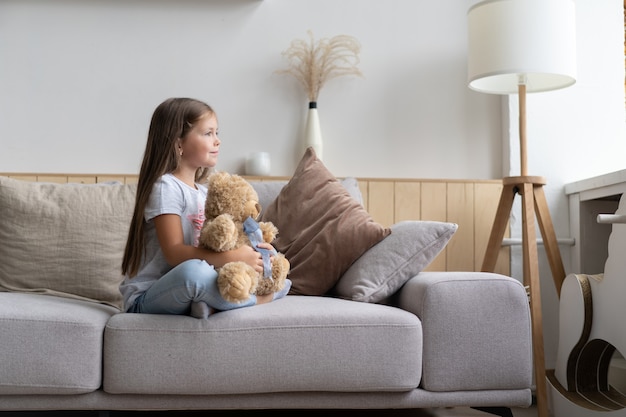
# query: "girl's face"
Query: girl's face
{"points": [[200, 147]]}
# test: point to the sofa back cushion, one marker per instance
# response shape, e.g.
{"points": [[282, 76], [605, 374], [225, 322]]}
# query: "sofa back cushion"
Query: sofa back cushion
{"points": [[64, 239], [68, 239]]}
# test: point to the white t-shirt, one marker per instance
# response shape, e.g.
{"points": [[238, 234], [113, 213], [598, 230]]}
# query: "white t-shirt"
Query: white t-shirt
{"points": [[169, 196]]}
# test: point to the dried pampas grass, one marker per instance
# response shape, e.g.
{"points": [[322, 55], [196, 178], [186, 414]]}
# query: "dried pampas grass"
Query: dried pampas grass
{"points": [[315, 63]]}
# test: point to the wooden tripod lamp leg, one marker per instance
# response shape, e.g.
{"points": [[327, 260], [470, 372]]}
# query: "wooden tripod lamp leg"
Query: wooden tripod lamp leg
{"points": [[499, 227], [531, 278], [533, 198], [549, 238]]}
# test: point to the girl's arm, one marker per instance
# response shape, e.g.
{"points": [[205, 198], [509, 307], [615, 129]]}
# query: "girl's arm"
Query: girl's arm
{"points": [[170, 234]]}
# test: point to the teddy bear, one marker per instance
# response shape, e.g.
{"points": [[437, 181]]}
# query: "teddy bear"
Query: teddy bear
{"points": [[231, 209]]}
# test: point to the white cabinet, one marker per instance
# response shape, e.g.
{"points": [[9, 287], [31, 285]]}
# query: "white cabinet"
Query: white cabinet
{"points": [[587, 199]]}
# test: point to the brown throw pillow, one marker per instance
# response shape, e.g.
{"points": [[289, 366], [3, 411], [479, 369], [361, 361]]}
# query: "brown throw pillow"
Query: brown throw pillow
{"points": [[322, 229]]}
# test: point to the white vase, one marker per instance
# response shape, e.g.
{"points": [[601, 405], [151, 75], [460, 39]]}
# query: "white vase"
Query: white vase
{"points": [[313, 132]]}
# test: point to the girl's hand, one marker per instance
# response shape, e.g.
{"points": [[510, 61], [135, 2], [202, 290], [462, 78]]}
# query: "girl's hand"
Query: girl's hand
{"points": [[266, 245], [248, 255]]}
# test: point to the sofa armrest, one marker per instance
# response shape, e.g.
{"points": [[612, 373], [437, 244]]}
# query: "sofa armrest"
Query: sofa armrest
{"points": [[477, 331]]}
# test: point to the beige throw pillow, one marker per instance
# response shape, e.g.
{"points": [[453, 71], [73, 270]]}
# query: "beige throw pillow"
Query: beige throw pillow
{"points": [[64, 239], [322, 228]]}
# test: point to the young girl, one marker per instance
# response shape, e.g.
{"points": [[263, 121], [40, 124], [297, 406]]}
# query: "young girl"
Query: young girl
{"points": [[166, 273]]}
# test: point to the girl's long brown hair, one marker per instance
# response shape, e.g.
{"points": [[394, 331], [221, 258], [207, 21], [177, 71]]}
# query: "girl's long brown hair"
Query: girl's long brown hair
{"points": [[171, 120]]}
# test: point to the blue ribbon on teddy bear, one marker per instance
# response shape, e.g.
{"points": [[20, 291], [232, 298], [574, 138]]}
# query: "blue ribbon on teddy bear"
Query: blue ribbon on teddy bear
{"points": [[255, 234]]}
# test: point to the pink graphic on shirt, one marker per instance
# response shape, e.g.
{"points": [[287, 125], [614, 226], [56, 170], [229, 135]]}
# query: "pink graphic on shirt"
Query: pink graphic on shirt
{"points": [[197, 220]]}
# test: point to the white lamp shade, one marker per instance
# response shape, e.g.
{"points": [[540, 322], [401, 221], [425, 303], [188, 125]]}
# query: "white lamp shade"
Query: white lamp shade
{"points": [[521, 41]]}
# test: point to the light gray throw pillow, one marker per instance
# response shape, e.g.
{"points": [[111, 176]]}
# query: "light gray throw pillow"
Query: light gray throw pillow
{"points": [[387, 266]]}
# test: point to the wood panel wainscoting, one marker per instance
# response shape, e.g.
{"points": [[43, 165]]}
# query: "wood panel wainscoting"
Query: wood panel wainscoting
{"points": [[471, 204]]}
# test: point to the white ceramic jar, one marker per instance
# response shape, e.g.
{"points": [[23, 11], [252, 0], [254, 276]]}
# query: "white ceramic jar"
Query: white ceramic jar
{"points": [[258, 164]]}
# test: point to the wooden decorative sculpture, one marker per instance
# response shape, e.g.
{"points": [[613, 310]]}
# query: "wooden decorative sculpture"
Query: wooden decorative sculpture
{"points": [[592, 327]]}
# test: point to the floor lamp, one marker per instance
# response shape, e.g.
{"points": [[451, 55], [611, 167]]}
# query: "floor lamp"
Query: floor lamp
{"points": [[519, 47]]}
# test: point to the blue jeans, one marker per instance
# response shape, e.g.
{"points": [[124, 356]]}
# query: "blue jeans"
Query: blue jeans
{"points": [[191, 281]]}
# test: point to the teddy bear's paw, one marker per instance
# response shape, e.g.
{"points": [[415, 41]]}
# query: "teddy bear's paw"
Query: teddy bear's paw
{"points": [[269, 231], [237, 281], [280, 269], [266, 286], [220, 234]]}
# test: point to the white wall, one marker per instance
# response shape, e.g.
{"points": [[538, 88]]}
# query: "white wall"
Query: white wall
{"points": [[79, 80]]}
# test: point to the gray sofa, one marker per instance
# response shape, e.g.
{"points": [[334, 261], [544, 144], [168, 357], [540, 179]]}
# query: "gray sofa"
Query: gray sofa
{"points": [[431, 339]]}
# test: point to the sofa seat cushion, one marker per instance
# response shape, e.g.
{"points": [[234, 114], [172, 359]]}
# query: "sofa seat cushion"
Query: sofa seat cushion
{"points": [[50, 345], [298, 343]]}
